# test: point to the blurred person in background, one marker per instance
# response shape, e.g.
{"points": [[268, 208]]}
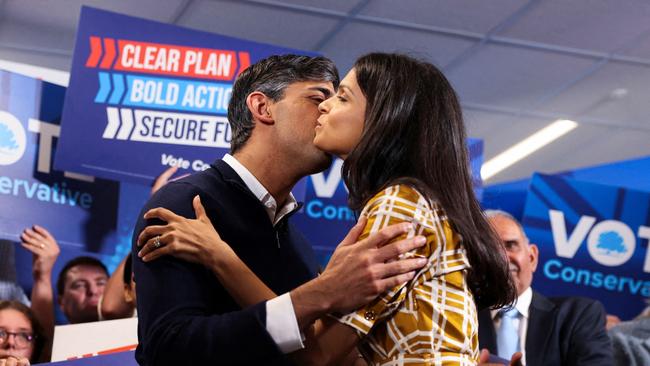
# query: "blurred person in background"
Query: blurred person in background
{"points": [[80, 284], [21, 336], [631, 340], [548, 331], [9, 289]]}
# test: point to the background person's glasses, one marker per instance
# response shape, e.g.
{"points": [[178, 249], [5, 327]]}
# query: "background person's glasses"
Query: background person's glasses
{"points": [[22, 339]]}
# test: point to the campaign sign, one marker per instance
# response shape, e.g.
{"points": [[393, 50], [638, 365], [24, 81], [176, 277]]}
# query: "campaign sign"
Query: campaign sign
{"points": [[75, 341], [125, 358], [145, 95], [593, 241], [325, 218], [78, 213]]}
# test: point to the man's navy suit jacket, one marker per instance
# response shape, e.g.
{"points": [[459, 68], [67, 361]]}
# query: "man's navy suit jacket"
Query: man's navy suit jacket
{"points": [[561, 331], [185, 315]]}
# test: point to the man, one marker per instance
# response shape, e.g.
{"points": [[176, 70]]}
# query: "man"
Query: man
{"points": [[185, 315], [548, 331], [80, 284]]}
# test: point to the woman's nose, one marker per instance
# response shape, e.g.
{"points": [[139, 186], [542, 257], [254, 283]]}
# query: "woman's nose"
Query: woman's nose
{"points": [[322, 107]]}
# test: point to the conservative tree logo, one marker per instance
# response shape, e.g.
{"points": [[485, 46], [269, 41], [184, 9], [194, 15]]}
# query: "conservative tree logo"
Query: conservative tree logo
{"points": [[12, 139]]}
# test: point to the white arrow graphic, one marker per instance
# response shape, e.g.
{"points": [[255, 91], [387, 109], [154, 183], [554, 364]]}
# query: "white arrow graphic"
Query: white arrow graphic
{"points": [[113, 123], [127, 124]]}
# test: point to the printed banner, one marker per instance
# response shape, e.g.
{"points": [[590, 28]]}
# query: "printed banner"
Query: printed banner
{"points": [[145, 95], [78, 210], [593, 241], [126, 358], [75, 341]]}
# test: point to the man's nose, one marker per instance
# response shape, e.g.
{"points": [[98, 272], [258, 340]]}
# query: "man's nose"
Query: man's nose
{"points": [[93, 289]]}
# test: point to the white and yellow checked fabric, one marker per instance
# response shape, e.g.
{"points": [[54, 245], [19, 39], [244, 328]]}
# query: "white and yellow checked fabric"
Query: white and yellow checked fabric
{"points": [[430, 320]]}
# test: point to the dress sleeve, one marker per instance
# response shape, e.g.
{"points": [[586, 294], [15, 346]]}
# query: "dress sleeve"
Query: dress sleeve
{"points": [[394, 205]]}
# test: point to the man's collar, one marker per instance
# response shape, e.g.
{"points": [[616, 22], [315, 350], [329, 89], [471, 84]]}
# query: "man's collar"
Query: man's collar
{"points": [[522, 304], [262, 194]]}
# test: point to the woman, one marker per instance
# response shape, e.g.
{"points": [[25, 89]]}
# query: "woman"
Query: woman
{"points": [[397, 123], [21, 336]]}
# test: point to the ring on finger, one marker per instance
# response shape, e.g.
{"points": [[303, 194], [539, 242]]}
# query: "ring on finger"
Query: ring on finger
{"points": [[156, 242]]}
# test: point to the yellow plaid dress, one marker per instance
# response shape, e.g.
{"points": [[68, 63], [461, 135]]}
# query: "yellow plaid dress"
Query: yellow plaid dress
{"points": [[430, 320]]}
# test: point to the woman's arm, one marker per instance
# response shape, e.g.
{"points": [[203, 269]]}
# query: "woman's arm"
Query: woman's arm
{"points": [[45, 250], [197, 241], [113, 305]]}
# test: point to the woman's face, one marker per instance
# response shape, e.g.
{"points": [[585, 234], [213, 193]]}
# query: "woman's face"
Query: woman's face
{"points": [[13, 321], [340, 125]]}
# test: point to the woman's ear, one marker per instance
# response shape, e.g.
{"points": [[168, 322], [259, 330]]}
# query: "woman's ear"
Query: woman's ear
{"points": [[259, 105]]}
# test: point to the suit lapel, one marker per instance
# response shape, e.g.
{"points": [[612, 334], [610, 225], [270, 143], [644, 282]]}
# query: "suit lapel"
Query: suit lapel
{"points": [[540, 324], [486, 333]]}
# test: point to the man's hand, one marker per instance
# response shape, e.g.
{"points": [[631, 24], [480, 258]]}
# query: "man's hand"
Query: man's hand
{"points": [[361, 271], [44, 248], [358, 272], [484, 359]]}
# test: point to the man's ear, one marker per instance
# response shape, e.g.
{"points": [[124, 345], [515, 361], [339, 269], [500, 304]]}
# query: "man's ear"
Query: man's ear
{"points": [[128, 294], [534, 255], [259, 105]]}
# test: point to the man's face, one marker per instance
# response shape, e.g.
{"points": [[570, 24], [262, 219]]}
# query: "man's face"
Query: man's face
{"points": [[84, 285], [522, 255], [296, 117]]}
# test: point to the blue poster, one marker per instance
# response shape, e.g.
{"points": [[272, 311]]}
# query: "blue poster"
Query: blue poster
{"points": [[325, 218], [593, 241], [80, 212], [145, 95], [118, 358]]}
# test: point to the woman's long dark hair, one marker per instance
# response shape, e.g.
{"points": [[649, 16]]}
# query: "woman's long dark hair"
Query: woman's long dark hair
{"points": [[414, 134]]}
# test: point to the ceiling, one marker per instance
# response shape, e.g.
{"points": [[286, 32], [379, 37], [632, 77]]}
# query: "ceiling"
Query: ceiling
{"points": [[516, 65]]}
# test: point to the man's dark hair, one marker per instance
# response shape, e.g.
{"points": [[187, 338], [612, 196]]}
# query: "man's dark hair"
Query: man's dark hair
{"points": [[271, 76], [83, 260]]}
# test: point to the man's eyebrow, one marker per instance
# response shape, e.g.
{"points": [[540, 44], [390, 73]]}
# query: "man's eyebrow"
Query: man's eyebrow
{"points": [[326, 92]]}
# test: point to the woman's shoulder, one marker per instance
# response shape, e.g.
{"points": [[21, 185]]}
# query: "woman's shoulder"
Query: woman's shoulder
{"points": [[397, 194], [401, 190]]}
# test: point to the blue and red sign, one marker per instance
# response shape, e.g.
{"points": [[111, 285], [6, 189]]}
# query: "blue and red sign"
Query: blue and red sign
{"points": [[81, 214], [593, 241], [145, 95]]}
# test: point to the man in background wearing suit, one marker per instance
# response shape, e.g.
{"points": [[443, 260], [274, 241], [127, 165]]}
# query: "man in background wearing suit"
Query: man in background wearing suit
{"points": [[548, 331]]}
